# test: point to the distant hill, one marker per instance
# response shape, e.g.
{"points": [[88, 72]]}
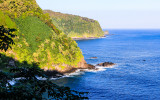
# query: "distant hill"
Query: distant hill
{"points": [[75, 26]]}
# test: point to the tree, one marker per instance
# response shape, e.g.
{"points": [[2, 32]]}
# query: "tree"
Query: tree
{"points": [[6, 36], [30, 87]]}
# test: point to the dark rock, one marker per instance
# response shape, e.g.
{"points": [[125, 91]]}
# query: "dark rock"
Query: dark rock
{"points": [[106, 64], [72, 70], [89, 66], [144, 60], [93, 57], [53, 74], [12, 62]]}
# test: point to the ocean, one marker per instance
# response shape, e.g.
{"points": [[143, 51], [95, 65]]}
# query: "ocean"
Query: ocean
{"points": [[136, 75]]}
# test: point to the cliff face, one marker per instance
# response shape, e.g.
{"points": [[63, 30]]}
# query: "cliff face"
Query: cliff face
{"points": [[76, 26], [38, 40]]}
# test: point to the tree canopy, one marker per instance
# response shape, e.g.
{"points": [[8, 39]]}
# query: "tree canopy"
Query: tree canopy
{"points": [[30, 87]]}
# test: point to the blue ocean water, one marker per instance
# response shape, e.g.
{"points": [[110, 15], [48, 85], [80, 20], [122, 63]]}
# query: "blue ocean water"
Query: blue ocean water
{"points": [[136, 75]]}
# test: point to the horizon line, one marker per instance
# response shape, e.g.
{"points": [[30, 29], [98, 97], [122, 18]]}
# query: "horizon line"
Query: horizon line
{"points": [[130, 28]]}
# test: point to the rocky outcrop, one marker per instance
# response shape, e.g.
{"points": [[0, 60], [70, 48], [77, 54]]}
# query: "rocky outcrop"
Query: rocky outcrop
{"points": [[106, 64], [82, 65], [58, 71], [106, 33], [93, 57], [53, 74]]}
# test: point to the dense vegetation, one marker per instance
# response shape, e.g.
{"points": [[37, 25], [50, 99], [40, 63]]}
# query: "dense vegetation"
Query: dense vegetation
{"points": [[38, 40], [23, 8], [25, 77], [75, 26]]}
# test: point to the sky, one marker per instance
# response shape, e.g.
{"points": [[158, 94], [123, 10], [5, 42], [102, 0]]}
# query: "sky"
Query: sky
{"points": [[111, 14]]}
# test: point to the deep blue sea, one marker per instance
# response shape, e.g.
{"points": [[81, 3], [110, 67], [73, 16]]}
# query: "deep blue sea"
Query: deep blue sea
{"points": [[136, 75]]}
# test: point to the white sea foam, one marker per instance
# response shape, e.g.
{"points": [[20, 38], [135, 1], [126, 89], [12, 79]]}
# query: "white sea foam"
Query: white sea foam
{"points": [[82, 71], [77, 72], [12, 82]]}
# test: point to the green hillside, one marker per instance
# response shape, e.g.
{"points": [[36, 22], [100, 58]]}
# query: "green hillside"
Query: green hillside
{"points": [[38, 40], [75, 26]]}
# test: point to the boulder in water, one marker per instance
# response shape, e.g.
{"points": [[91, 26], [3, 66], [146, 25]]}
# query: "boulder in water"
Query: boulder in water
{"points": [[93, 57], [106, 64]]}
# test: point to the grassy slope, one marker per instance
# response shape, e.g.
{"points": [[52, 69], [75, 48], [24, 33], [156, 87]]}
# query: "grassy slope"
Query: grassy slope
{"points": [[38, 41], [76, 26]]}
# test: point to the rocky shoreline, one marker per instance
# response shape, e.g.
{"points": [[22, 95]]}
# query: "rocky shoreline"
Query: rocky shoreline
{"points": [[82, 66], [56, 74], [89, 38], [86, 38]]}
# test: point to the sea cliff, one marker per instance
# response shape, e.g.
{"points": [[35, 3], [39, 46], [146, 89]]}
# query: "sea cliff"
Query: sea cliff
{"points": [[75, 26]]}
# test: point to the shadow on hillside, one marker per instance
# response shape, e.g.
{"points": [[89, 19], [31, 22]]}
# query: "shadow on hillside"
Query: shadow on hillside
{"points": [[6, 63]]}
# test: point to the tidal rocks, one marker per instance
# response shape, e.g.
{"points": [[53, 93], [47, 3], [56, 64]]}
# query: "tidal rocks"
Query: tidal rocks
{"points": [[93, 57], [106, 64], [82, 66], [53, 74], [89, 66]]}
